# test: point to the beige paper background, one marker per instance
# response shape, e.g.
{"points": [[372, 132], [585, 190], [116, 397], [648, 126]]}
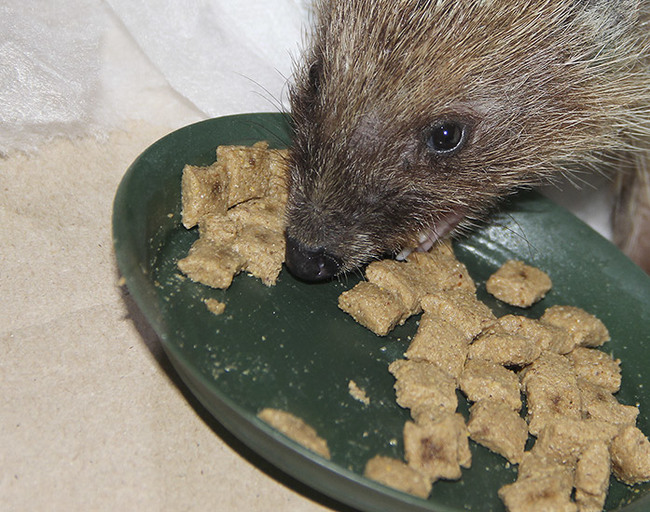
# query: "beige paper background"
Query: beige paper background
{"points": [[92, 417]]}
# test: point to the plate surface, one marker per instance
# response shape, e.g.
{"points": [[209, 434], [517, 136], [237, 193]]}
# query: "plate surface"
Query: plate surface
{"points": [[291, 348]]}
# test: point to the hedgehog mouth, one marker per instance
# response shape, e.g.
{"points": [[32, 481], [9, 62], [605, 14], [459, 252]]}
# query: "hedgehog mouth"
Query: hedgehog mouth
{"points": [[427, 237]]}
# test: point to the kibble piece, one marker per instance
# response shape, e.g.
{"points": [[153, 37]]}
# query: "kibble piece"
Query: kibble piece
{"points": [[440, 343], [430, 410], [436, 449], [564, 439], [592, 477], [263, 250], [486, 380], [518, 284], [267, 212], [441, 270], [499, 346], [461, 309], [219, 229], [373, 307], [400, 279], [535, 464], [210, 264], [398, 475], [552, 391], [248, 171], [543, 494], [545, 336], [496, 426], [238, 203], [215, 306], [204, 191], [630, 452], [295, 428], [585, 329], [357, 393], [596, 367], [600, 404], [422, 382]]}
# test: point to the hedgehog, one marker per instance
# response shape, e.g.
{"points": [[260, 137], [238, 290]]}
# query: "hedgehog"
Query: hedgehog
{"points": [[415, 118]]}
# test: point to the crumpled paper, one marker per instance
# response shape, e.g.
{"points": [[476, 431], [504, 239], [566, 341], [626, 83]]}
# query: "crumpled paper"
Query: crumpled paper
{"points": [[223, 56], [49, 69]]}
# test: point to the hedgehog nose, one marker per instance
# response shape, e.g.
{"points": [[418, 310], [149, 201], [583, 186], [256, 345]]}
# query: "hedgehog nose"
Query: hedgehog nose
{"points": [[310, 263]]}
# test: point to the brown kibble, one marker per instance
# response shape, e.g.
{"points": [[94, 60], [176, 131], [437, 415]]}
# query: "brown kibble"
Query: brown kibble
{"points": [[267, 212], [592, 477], [439, 343], [630, 452], [518, 284], [499, 346], [544, 494], [210, 264], [545, 336], [437, 449], [440, 269], [215, 306], [263, 249], [400, 279], [247, 169], [485, 380], [599, 404], [496, 426], [373, 307], [239, 207], [204, 192], [585, 329], [461, 309], [295, 428], [398, 475], [597, 367], [535, 464], [552, 391], [422, 382], [564, 439], [357, 393]]}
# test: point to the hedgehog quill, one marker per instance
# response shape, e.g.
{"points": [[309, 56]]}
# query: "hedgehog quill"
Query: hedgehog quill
{"points": [[415, 117]]}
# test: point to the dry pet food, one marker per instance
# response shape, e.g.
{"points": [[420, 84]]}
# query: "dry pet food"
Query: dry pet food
{"points": [[238, 203], [440, 343], [394, 290], [583, 432], [398, 475], [485, 380], [373, 307], [518, 284], [585, 329], [214, 306], [420, 382], [296, 429], [437, 449]]}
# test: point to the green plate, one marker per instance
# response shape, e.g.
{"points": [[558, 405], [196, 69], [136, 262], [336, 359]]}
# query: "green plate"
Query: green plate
{"points": [[290, 347]]}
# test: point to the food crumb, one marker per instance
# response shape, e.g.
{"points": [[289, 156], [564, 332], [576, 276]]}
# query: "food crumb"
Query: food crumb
{"points": [[357, 393], [398, 475], [295, 428], [214, 306]]}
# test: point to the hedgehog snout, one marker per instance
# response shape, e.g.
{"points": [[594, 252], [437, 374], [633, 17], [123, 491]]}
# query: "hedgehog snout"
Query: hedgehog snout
{"points": [[310, 263]]}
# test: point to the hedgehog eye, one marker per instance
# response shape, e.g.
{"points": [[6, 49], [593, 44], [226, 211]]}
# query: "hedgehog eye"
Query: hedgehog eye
{"points": [[446, 137]]}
